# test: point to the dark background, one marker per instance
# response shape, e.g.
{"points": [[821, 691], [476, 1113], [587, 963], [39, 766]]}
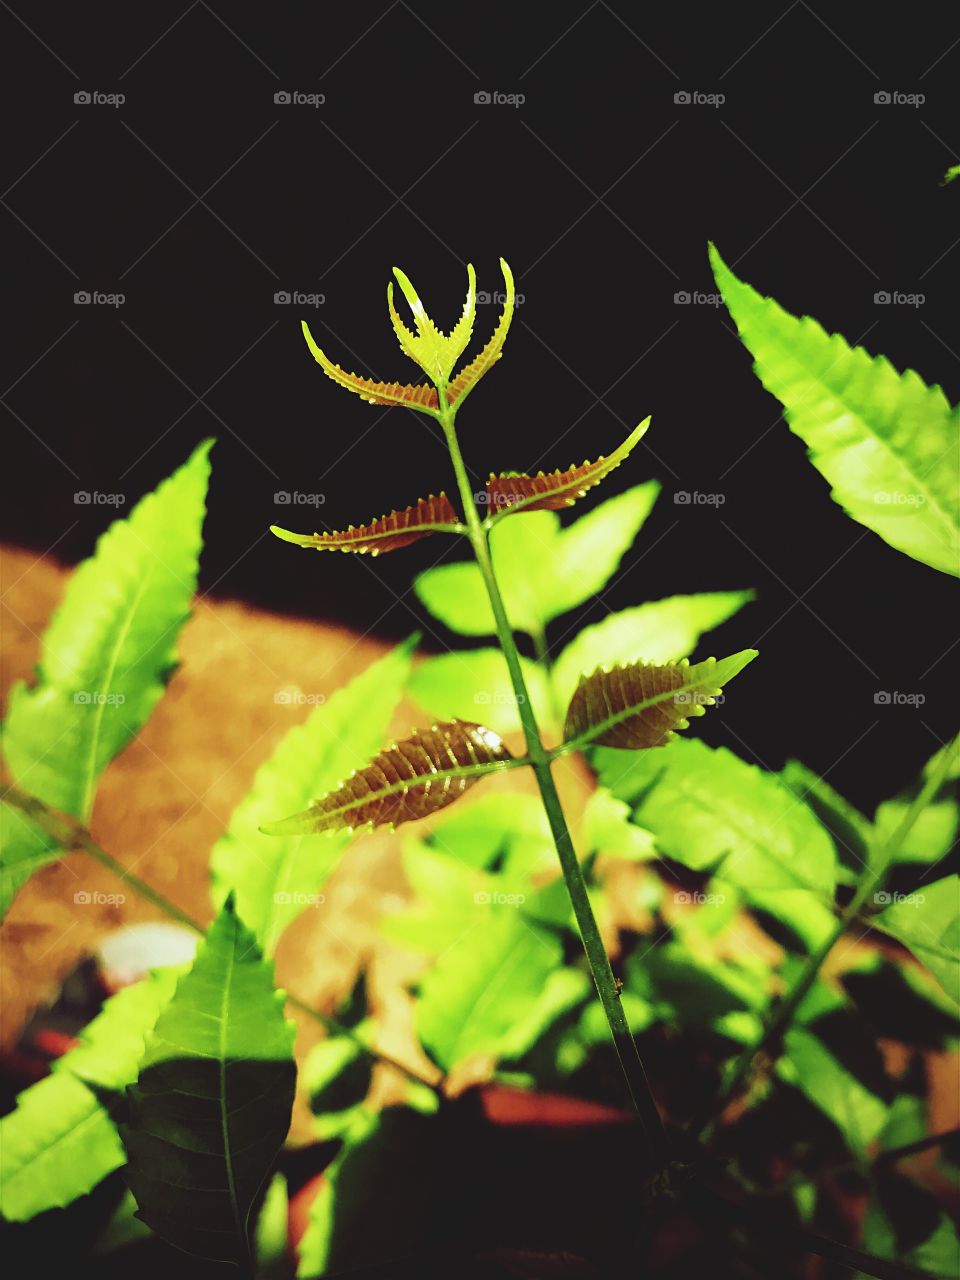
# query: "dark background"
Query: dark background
{"points": [[200, 197]]}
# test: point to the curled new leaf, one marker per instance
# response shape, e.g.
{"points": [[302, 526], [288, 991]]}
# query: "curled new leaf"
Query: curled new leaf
{"points": [[435, 352], [408, 780], [389, 533], [559, 489], [468, 377], [421, 396], [641, 705]]}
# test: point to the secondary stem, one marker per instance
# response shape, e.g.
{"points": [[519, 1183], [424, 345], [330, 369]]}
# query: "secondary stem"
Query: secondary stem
{"points": [[624, 1043]]}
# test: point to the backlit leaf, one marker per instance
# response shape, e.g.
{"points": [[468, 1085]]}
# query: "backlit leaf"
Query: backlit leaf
{"points": [[885, 441], [422, 396], [642, 704], [928, 924], [468, 377], [934, 830], [511, 493], [435, 352], [830, 1085], [389, 533], [211, 1105], [476, 682], [406, 781]]}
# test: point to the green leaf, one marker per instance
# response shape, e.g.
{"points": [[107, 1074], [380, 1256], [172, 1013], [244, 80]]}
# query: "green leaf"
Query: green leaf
{"points": [[509, 830], [336, 1077], [851, 832], [904, 1222], [275, 879], [609, 828], [272, 1234], [885, 441], [430, 348], [542, 570], [708, 808], [477, 992], [934, 830], [60, 1140], [212, 1102], [928, 924], [813, 1069], [662, 631], [476, 683]]}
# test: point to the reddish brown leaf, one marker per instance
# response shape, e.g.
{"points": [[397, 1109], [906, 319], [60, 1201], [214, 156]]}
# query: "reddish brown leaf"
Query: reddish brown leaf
{"points": [[408, 780], [389, 533]]}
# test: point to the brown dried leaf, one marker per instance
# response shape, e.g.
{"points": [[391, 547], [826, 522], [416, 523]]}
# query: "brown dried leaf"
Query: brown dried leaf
{"points": [[389, 533], [552, 492], [408, 780], [641, 705]]}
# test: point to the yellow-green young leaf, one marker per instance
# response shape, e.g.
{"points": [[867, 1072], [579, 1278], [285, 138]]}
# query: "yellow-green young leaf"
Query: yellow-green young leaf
{"points": [[435, 352], [935, 829], [476, 682], [543, 570], [389, 533], [511, 493], [422, 397], [708, 809], [405, 781], [661, 631], [212, 1102], [885, 441], [106, 657], [60, 1141], [608, 828], [275, 879], [642, 704], [928, 924], [470, 375]]}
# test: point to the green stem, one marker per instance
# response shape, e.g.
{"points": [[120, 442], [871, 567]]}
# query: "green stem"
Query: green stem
{"points": [[874, 876], [624, 1043], [72, 836]]}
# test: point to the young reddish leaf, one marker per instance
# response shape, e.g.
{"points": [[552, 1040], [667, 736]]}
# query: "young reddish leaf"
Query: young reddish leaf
{"points": [[421, 396], [434, 351], [468, 378], [408, 780], [389, 533], [507, 493], [641, 705]]}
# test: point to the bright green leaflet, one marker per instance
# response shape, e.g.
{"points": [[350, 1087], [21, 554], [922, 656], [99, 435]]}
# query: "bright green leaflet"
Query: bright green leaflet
{"points": [[475, 685], [928, 924], [707, 808], [829, 1085], [542, 570], [851, 832], [933, 834], [60, 1142], [107, 655], [211, 1105], [276, 878], [886, 442]]}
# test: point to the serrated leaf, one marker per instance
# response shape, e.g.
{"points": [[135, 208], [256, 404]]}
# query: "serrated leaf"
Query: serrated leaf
{"points": [[274, 879], [406, 781], [435, 352], [422, 397], [212, 1102], [476, 682], [468, 377], [608, 828], [928, 924], [642, 704], [483, 986], [885, 441], [708, 808], [60, 1141], [832, 1087], [661, 631], [542, 570], [106, 657], [388, 533], [511, 493]]}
